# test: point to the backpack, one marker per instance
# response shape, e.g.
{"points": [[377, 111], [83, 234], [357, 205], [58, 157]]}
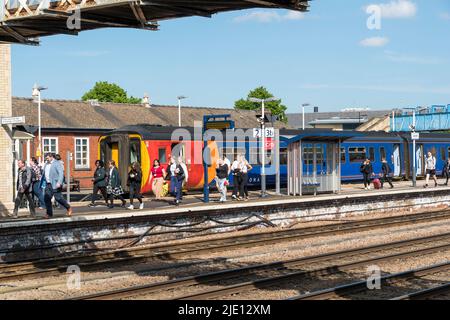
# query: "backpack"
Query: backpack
{"points": [[180, 174], [33, 175]]}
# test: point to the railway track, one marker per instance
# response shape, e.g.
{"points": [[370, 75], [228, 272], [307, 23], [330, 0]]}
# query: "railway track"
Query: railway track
{"points": [[426, 293], [359, 287], [55, 266], [325, 265]]}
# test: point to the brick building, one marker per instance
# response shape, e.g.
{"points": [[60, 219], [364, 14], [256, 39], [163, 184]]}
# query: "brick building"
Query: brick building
{"points": [[76, 126]]}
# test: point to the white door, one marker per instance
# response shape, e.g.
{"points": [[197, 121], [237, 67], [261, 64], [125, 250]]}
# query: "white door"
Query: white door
{"points": [[396, 160]]}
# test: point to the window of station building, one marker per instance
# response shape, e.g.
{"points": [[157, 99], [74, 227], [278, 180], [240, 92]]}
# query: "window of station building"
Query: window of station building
{"points": [[357, 154], [343, 156], [382, 153], [372, 154], [49, 145], [81, 153], [162, 155]]}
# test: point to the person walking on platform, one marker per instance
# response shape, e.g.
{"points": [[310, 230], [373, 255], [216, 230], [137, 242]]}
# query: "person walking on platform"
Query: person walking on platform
{"points": [[180, 176], [134, 182], [38, 191], [158, 174], [172, 177], [54, 177], [237, 177], [24, 187], [430, 169], [114, 186], [446, 171], [386, 171], [245, 168], [99, 182], [221, 179], [367, 171]]}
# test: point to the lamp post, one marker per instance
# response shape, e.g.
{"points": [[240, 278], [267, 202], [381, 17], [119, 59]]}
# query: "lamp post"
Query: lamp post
{"points": [[413, 130], [303, 114], [263, 144], [179, 108], [36, 94]]}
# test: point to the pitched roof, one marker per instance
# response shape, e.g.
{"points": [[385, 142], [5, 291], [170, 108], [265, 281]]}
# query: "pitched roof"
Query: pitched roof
{"points": [[107, 116]]}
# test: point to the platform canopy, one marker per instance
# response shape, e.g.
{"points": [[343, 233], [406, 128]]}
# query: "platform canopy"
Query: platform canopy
{"points": [[24, 21]]}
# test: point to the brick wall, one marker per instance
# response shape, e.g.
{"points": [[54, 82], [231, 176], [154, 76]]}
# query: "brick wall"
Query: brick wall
{"points": [[6, 157], [66, 142]]}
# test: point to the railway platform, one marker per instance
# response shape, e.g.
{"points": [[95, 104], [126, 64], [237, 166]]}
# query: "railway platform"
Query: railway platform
{"points": [[100, 227]]}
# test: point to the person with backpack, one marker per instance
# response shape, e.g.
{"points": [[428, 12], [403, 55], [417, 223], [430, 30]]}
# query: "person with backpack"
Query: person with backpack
{"points": [[386, 170], [134, 183], [24, 187], [430, 169], [99, 180], [177, 176], [114, 186], [367, 170], [221, 179], [237, 177], [38, 191], [446, 171]]}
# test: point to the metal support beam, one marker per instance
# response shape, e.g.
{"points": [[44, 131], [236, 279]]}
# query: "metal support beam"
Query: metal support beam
{"points": [[178, 9]]}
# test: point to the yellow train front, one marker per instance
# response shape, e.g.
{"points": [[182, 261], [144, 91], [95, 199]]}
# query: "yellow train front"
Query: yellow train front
{"points": [[146, 143]]}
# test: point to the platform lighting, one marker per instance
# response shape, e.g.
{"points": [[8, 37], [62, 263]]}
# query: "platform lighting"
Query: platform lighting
{"points": [[36, 94], [303, 114], [263, 144], [179, 108]]}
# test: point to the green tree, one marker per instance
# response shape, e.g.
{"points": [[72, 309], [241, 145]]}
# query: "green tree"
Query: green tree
{"points": [[275, 107], [104, 91]]}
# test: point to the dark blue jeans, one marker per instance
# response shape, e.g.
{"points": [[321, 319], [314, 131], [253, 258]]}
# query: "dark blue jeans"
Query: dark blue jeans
{"points": [[173, 185], [178, 189], [49, 194], [39, 193]]}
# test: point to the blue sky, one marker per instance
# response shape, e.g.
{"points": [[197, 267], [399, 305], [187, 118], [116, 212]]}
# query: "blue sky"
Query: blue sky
{"points": [[327, 57]]}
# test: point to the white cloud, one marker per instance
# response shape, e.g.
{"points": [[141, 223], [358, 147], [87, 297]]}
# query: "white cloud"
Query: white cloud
{"points": [[87, 54], [403, 58], [374, 42], [269, 16], [391, 88], [445, 16], [398, 9]]}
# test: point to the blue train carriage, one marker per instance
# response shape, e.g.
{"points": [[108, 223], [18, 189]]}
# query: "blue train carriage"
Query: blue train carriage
{"points": [[373, 146], [436, 143]]}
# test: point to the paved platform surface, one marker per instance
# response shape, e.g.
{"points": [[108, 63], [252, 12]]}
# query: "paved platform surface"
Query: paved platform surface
{"points": [[195, 202]]}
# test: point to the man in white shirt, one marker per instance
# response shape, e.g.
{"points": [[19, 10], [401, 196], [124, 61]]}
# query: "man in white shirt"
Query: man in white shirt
{"points": [[430, 168]]}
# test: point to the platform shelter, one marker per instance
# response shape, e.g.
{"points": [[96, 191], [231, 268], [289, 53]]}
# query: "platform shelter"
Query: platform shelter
{"points": [[314, 164]]}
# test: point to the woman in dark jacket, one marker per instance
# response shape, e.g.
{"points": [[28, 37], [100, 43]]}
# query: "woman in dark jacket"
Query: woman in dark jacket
{"points": [[100, 181], [134, 182], [367, 171], [114, 186]]}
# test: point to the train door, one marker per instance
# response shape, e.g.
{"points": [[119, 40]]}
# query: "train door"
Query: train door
{"points": [[115, 152], [396, 160]]}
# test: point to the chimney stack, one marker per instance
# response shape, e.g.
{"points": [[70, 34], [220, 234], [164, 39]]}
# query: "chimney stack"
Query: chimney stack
{"points": [[146, 101], [316, 109]]}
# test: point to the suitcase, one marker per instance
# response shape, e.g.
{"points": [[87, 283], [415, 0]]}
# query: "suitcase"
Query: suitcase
{"points": [[377, 183]]}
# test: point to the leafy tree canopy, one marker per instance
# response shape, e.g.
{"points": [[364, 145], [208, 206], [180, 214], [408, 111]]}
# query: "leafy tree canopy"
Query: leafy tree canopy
{"points": [[262, 93], [104, 91]]}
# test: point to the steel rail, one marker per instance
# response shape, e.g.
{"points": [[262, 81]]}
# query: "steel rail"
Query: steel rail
{"points": [[427, 293], [362, 285], [280, 265], [173, 251]]}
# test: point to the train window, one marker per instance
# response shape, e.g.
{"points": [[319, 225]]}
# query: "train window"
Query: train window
{"points": [[382, 153], [178, 151], [372, 154], [357, 154], [135, 151], [343, 156], [443, 153], [162, 155], [254, 156]]}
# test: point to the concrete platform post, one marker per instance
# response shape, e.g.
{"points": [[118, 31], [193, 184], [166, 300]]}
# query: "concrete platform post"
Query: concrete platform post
{"points": [[6, 156]]}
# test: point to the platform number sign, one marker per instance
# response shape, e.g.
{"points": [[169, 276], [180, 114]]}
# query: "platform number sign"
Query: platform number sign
{"points": [[415, 135], [270, 132]]}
